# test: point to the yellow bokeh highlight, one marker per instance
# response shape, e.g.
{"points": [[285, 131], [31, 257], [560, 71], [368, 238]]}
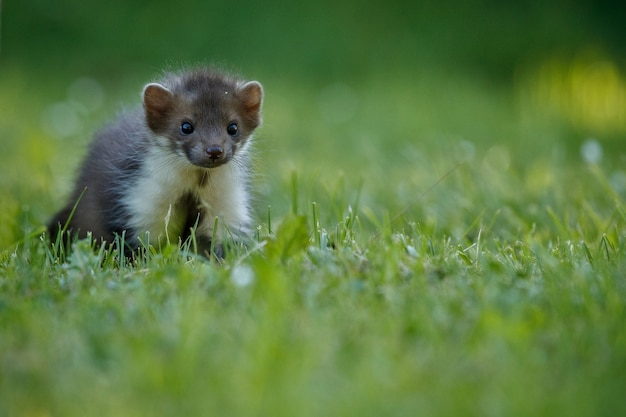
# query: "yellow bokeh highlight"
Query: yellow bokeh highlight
{"points": [[589, 92]]}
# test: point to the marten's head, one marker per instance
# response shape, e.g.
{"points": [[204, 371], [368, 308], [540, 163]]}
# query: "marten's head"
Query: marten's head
{"points": [[204, 116]]}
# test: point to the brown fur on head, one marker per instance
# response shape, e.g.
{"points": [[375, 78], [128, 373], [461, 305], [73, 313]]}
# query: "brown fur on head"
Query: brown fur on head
{"points": [[204, 115]]}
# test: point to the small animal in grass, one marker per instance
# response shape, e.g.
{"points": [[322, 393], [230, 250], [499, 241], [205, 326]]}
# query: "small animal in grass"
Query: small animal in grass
{"points": [[170, 166]]}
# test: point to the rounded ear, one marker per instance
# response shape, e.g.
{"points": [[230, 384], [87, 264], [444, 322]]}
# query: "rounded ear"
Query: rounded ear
{"points": [[252, 96], [157, 103]]}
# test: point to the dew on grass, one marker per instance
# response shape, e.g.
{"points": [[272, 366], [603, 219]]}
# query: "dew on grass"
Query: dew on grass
{"points": [[411, 251], [242, 275], [591, 151]]}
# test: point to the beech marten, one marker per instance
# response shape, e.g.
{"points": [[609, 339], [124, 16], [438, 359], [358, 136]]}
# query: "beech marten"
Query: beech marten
{"points": [[177, 162]]}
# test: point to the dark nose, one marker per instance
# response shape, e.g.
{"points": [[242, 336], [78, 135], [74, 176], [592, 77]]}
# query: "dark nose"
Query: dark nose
{"points": [[214, 152]]}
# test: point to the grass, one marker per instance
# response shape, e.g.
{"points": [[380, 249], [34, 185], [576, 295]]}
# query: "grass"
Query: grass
{"points": [[458, 258]]}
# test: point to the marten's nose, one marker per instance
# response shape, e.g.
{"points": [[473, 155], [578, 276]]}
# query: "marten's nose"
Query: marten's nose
{"points": [[214, 152]]}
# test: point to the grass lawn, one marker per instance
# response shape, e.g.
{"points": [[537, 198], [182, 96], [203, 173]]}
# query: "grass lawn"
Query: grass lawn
{"points": [[460, 258]]}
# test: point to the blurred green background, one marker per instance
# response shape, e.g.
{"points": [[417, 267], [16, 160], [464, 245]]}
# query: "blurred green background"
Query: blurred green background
{"points": [[494, 132], [384, 97]]}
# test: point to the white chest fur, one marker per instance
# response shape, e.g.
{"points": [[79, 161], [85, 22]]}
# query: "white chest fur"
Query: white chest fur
{"points": [[165, 177]]}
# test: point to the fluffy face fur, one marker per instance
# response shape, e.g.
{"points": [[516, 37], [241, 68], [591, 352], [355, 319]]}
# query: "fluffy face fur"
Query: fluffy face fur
{"points": [[177, 163], [204, 118]]}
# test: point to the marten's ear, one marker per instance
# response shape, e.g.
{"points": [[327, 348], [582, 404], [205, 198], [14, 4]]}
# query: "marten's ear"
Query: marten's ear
{"points": [[157, 102], [251, 94]]}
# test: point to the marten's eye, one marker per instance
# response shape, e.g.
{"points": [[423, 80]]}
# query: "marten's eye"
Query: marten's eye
{"points": [[186, 128], [232, 129]]}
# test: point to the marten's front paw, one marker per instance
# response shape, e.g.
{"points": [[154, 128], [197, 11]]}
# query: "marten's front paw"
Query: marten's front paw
{"points": [[218, 251], [204, 248]]}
